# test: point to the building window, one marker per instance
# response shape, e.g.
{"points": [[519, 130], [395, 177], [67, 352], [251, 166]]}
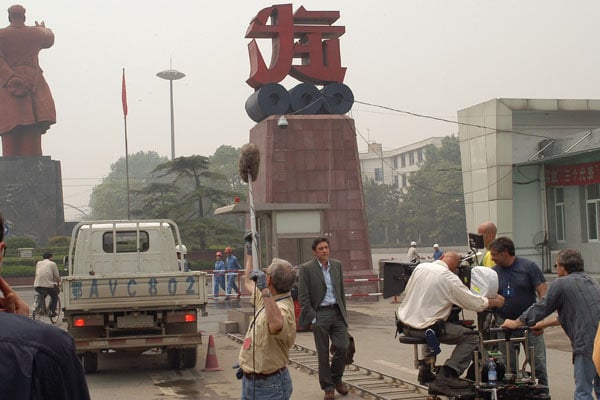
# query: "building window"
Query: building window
{"points": [[396, 180], [559, 201], [404, 182], [403, 160], [592, 200], [378, 175], [395, 162], [419, 155], [411, 158]]}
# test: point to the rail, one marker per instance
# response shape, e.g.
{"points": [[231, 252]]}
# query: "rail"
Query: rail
{"points": [[366, 382]]}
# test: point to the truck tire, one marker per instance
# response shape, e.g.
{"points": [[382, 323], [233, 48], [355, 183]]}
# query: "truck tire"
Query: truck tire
{"points": [[90, 362], [174, 358], [190, 355]]}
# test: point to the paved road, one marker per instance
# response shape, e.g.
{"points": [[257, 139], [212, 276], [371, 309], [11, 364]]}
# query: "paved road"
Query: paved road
{"points": [[133, 376]]}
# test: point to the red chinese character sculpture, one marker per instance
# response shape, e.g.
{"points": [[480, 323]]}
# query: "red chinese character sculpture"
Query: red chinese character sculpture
{"points": [[26, 104], [317, 46]]}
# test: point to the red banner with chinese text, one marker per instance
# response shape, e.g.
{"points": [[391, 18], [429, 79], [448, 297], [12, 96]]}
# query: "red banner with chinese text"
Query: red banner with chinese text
{"points": [[573, 175]]}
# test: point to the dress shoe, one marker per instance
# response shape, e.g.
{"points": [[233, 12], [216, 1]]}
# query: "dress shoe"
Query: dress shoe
{"points": [[449, 378], [329, 395], [341, 389], [425, 374]]}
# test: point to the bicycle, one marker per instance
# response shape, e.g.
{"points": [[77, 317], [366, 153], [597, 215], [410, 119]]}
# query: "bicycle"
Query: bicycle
{"points": [[41, 308]]}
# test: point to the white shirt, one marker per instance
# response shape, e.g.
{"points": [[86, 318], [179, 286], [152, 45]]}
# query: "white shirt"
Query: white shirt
{"points": [[430, 293], [46, 274]]}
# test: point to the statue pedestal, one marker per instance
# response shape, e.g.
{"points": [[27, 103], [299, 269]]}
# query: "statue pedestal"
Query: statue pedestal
{"points": [[31, 197], [315, 160]]}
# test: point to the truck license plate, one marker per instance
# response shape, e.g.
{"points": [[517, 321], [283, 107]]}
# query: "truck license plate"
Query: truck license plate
{"points": [[135, 321]]}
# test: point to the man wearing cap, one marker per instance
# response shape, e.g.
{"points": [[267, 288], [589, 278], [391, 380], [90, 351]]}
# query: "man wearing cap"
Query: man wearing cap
{"points": [[219, 275], [47, 281], [232, 266], [182, 261], [412, 255], [437, 252]]}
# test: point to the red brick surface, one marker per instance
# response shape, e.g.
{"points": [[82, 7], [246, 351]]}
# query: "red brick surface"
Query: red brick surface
{"points": [[315, 160]]}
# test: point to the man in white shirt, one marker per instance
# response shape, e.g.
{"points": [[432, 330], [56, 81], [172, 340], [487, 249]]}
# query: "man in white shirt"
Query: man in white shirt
{"points": [[47, 281], [430, 293]]}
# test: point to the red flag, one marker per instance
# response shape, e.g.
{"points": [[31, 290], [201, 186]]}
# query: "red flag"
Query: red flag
{"points": [[124, 95]]}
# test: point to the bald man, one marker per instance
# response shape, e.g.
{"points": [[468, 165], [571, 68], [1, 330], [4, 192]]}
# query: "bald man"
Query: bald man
{"points": [[430, 293], [488, 229]]}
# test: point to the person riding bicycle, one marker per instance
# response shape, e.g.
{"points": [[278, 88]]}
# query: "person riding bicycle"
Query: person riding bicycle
{"points": [[47, 281]]}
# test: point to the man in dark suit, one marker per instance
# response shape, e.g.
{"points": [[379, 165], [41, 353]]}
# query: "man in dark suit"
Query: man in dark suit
{"points": [[321, 294]]}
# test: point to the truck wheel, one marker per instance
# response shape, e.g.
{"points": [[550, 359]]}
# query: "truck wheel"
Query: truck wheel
{"points": [[90, 362], [190, 356], [174, 358]]}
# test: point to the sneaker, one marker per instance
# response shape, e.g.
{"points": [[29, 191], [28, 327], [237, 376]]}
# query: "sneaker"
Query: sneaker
{"points": [[53, 314]]}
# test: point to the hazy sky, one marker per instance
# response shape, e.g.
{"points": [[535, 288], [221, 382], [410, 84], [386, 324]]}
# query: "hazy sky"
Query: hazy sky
{"points": [[427, 57]]}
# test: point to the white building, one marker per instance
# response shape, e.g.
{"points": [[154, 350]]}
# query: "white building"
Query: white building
{"points": [[394, 166], [532, 166]]}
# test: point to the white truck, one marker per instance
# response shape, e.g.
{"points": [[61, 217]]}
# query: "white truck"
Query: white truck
{"points": [[124, 291]]}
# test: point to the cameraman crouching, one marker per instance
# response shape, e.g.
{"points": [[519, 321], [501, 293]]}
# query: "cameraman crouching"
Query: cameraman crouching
{"points": [[430, 293]]}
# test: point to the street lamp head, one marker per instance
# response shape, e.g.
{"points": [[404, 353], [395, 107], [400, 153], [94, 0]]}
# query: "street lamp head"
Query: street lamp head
{"points": [[170, 74]]}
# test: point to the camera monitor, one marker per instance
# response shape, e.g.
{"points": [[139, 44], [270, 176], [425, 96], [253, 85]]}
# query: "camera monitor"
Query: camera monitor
{"points": [[476, 241], [395, 277]]}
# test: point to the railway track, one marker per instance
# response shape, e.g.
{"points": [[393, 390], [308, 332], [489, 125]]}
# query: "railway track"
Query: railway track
{"points": [[367, 382]]}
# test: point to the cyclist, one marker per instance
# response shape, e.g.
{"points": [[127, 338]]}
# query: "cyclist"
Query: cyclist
{"points": [[47, 281]]}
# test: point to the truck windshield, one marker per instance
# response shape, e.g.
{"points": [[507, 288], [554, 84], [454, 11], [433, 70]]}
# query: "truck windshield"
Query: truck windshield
{"points": [[126, 242]]}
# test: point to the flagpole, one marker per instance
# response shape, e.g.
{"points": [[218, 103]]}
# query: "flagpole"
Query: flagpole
{"points": [[124, 100]]}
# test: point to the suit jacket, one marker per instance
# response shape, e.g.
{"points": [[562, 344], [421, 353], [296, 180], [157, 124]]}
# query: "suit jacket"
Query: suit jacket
{"points": [[312, 289]]}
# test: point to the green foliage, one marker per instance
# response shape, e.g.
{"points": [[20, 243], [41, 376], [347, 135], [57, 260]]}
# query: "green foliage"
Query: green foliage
{"points": [[432, 209], [59, 241], [382, 203], [18, 270], [109, 198], [19, 242]]}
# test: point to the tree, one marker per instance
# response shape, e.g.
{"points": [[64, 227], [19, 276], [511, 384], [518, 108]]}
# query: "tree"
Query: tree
{"points": [[432, 209], [109, 199], [382, 204], [193, 208]]}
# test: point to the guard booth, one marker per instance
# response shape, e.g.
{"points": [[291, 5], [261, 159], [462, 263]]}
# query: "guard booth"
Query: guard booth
{"points": [[285, 230]]}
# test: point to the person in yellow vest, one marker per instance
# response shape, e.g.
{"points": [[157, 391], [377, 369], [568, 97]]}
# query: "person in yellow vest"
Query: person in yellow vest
{"points": [[488, 230]]}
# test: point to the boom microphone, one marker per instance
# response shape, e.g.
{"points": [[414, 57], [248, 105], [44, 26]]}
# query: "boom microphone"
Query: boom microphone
{"points": [[248, 170], [249, 162]]}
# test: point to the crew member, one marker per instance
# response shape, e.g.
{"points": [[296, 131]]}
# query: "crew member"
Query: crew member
{"points": [[265, 351], [431, 291]]}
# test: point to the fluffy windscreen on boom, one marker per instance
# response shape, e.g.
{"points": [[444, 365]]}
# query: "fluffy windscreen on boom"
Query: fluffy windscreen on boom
{"points": [[249, 161]]}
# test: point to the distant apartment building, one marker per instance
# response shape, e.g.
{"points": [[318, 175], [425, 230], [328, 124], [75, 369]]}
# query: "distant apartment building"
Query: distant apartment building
{"points": [[394, 166]]}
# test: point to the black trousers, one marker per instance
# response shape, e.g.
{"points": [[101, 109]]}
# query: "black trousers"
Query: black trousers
{"points": [[330, 325]]}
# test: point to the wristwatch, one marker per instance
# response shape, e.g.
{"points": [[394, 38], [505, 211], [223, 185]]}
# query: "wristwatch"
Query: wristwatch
{"points": [[266, 293]]}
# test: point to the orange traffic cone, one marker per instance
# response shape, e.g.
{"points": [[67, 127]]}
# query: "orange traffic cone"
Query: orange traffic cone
{"points": [[211, 356]]}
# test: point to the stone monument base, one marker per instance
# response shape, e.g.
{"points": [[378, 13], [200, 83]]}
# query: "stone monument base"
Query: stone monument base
{"points": [[314, 160], [31, 197]]}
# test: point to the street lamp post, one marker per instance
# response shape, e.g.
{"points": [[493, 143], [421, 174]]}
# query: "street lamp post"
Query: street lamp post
{"points": [[171, 75]]}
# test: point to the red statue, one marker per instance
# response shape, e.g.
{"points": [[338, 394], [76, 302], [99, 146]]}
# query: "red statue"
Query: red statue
{"points": [[318, 46], [26, 104]]}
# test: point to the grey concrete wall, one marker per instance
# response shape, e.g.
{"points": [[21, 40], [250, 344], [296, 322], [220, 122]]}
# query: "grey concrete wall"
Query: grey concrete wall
{"points": [[31, 197]]}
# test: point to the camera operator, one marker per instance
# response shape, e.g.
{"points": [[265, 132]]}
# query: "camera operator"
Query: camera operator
{"points": [[432, 290]]}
